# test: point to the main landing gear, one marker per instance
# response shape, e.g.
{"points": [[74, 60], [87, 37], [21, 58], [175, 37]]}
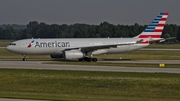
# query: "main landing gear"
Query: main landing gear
{"points": [[88, 59], [24, 58]]}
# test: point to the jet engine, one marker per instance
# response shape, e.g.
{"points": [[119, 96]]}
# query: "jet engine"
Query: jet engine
{"points": [[73, 54]]}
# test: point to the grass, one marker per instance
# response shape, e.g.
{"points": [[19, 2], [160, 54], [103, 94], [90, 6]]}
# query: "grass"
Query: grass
{"points": [[4, 43], [167, 46], [4, 54], [88, 86]]}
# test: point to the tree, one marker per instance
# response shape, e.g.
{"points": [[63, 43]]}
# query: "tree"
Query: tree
{"points": [[32, 28], [1, 33]]}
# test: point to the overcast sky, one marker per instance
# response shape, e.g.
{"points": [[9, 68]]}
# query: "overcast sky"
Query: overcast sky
{"points": [[94, 12]]}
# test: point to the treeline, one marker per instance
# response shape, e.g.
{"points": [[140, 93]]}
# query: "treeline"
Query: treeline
{"points": [[15, 26], [105, 29]]}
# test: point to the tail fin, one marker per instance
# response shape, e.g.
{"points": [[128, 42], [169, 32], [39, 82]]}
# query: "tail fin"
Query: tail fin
{"points": [[154, 30]]}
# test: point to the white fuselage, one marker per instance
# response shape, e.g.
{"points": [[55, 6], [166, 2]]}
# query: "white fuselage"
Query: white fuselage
{"points": [[57, 45]]}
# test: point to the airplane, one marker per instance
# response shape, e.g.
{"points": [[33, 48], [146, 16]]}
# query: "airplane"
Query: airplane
{"points": [[83, 49]]}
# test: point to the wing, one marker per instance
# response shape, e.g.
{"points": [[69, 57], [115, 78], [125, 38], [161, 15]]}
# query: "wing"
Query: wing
{"points": [[96, 47]]}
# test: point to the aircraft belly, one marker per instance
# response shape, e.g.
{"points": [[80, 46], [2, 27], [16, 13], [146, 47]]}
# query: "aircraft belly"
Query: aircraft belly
{"points": [[138, 46], [101, 51]]}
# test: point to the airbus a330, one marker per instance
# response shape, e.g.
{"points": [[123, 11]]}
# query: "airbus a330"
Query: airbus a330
{"points": [[84, 49]]}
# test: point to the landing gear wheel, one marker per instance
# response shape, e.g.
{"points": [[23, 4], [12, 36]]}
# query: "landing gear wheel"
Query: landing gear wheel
{"points": [[89, 59], [24, 59], [81, 59], [94, 59], [85, 59]]}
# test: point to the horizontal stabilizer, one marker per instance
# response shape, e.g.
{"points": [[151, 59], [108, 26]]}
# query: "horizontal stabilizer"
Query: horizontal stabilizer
{"points": [[151, 41]]}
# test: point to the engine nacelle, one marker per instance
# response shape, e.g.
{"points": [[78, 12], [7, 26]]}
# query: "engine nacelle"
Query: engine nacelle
{"points": [[57, 56], [73, 54]]}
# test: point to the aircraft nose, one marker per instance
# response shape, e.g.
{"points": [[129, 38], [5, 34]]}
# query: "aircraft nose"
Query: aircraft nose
{"points": [[8, 48]]}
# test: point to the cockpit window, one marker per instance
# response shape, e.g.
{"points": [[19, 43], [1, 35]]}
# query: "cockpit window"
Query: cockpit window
{"points": [[12, 44]]}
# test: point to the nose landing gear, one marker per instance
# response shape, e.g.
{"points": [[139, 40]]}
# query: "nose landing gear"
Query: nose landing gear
{"points": [[24, 58]]}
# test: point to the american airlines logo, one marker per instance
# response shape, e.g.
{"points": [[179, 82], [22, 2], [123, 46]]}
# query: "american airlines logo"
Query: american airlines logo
{"points": [[49, 44], [30, 44]]}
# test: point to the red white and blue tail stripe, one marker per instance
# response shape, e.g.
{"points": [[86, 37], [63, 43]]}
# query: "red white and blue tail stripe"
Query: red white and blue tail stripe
{"points": [[154, 30]]}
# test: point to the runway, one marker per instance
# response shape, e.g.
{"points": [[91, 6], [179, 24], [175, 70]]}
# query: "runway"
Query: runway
{"points": [[38, 65], [146, 61]]}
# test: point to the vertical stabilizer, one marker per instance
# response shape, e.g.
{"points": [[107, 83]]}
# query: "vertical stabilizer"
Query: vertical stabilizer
{"points": [[154, 30]]}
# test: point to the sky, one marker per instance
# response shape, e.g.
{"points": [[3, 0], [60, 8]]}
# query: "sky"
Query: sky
{"points": [[94, 12]]}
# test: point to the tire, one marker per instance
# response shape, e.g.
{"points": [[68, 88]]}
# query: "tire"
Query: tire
{"points": [[94, 59], [24, 59], [85, 59], [81, 59], [89, 59]]}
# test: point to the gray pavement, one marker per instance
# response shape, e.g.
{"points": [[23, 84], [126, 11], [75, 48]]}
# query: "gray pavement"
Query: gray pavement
{"points": [[146, 61], [38, 65]]}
